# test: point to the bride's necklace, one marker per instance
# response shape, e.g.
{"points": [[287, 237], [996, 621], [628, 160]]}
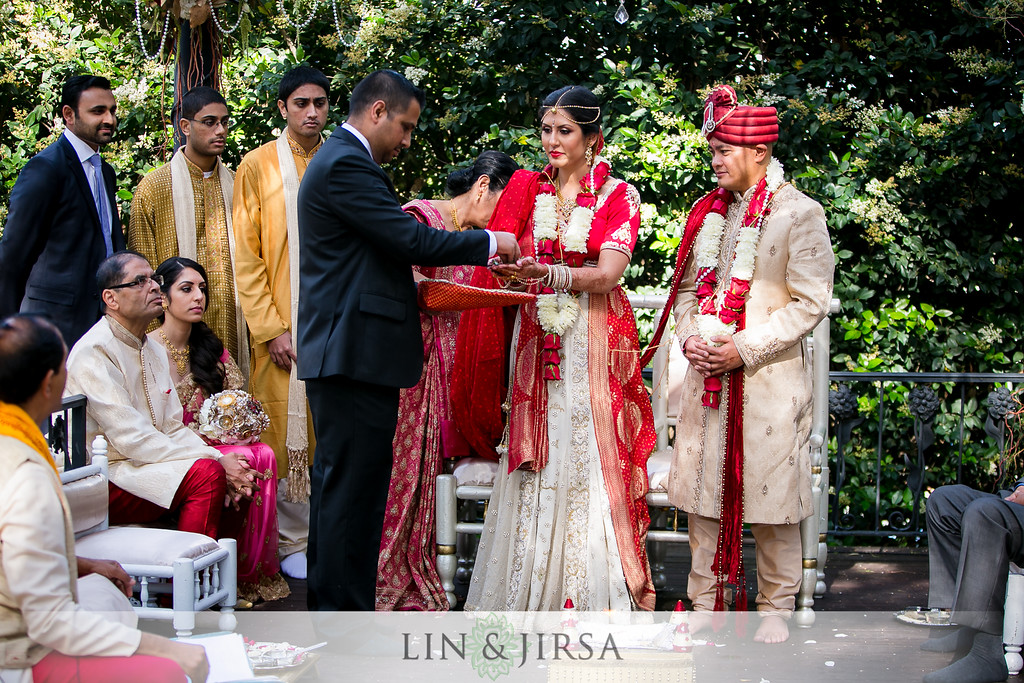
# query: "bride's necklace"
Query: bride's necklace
{"points": [[564, 206], [179, 356]]}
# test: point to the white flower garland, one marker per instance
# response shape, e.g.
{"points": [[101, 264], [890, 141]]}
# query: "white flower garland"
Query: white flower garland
{"points": [[557, 312], [710, 240], [578, 230], [545, 223], [709, 327], [775, 176], [746, 251], [709, 247]]}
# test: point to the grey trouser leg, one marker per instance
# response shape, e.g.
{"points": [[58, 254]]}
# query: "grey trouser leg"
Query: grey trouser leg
{"points": [[972, 537]]}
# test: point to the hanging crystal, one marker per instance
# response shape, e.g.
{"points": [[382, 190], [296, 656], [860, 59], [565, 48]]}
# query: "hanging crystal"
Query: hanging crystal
{"points": [[621, 15]]}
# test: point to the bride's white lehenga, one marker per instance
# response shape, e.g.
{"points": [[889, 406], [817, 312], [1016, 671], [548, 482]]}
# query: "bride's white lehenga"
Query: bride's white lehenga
{"points": [[548, 535]]}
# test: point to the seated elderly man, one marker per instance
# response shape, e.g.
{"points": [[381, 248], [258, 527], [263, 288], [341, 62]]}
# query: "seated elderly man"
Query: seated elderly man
{"points": [[157, 465], [45, 635], [972, 538]]}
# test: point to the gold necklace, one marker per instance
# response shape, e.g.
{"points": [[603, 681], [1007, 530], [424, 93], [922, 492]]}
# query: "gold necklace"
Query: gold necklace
{"points": [[179, 356], [563, 206], [455, 216]]}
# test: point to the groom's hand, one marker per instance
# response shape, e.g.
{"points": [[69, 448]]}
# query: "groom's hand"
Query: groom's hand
{"points": [[508, 248]]}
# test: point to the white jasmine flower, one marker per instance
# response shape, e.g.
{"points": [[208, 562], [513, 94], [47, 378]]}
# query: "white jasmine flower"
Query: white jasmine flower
{"points": [[709, 241], [545, 224], [578, 229], [746, 251], [557, 312], [709, 326]]}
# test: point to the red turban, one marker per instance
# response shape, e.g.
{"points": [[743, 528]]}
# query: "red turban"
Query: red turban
{"points": [[733, 124]]}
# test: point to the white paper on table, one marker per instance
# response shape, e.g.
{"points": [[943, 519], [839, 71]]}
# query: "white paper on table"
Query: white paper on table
{"points": [[226, 654]]}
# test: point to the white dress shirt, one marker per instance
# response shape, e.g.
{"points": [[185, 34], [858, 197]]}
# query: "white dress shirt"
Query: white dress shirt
{"points": [[85, 153]]}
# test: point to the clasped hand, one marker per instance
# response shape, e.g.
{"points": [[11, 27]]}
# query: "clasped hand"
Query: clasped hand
{"points": [[241, 478], [712, 361]]}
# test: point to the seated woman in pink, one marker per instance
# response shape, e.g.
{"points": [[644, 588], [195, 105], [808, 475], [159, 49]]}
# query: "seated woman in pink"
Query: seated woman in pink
{"points": [[200, 368]]}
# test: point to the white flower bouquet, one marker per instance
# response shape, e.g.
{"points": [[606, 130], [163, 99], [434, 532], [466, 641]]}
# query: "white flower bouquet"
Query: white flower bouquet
{"points": [[232, 418]]}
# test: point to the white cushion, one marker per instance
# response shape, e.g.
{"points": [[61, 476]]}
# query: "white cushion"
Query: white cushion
{"points": [[475, 472], [87, 499], [658, 466], [141, 545]]}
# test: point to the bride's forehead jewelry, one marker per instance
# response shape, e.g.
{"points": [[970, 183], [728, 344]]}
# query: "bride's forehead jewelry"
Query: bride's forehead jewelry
{"points": [[587, 111]]}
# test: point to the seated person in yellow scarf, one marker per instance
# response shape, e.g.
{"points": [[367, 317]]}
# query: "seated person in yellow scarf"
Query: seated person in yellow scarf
{"points": [[45, 634]]}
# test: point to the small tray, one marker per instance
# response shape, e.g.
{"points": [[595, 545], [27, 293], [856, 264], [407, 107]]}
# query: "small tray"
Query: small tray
{"points": [[922, 616]]}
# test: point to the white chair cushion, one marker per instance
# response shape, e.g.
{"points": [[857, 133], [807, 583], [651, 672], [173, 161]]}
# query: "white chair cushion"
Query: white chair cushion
{"points": [[87, 499], [475, 472], [142, 545], [658, 466]]}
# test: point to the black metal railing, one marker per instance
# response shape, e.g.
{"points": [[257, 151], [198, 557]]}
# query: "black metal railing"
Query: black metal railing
{"points": [[66, 431], [949, 425]]}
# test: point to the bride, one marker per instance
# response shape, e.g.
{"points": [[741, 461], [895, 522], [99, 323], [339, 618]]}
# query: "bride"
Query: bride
{"points": [[568, 517]]}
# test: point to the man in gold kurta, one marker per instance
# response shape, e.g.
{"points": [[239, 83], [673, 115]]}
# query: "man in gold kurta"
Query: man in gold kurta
{"points": [[265, 226], [183, 208], [762, 233]]}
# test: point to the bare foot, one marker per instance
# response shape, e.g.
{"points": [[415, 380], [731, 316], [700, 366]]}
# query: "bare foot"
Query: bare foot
{"points": [[773, 629], [699, 621]]}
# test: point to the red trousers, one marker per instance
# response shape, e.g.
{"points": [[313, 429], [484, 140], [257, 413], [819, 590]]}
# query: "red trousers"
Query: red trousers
{"points": [[198, 502], [58, 668]]}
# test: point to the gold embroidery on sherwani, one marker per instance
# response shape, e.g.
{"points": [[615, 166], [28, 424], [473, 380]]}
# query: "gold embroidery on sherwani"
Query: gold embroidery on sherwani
{"points": [[789, 294]]}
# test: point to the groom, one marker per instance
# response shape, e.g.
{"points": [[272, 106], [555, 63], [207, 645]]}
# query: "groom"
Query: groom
{"points": [[358, 327]]}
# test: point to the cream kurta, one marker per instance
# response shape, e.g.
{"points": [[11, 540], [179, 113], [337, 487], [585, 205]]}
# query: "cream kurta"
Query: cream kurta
{"points": [[789, 294], [151, 232], [132, 403], [38, 605], [263, 276]]}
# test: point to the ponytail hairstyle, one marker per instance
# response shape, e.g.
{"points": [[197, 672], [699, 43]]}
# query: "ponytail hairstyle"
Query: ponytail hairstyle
{"points": [[205, 347], [497, 166]]}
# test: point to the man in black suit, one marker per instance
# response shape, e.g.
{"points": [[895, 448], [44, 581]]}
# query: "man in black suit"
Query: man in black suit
{"points": [[358, 327], [62, 220]]}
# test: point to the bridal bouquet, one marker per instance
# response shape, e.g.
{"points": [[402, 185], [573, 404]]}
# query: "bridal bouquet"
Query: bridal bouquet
{"points": [[232, 418]]}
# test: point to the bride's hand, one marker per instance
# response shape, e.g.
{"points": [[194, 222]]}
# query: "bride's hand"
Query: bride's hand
{"points": [[525, 268]]}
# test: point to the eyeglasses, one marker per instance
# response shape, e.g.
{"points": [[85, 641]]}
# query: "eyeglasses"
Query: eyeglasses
{"points": [[212, 122], [140, 281]]}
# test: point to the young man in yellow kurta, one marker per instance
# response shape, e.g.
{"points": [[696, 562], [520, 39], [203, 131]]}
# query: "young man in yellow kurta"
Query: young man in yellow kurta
{"points": [[183, 208], [265, 227]]}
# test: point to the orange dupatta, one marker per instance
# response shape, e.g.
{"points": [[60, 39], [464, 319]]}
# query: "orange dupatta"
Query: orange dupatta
{"points": [[15, 423]]}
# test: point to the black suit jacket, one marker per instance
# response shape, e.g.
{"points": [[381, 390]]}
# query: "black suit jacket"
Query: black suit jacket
{"points": [[52, 242], [357, 315]]}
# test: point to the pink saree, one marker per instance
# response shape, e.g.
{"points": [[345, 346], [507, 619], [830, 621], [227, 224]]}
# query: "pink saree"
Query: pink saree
{"points": [[406, 574], [259, 570]]}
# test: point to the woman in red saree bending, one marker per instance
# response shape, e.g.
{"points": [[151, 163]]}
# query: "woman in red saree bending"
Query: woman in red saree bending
{"points": [[406, 573], [568, 517]]}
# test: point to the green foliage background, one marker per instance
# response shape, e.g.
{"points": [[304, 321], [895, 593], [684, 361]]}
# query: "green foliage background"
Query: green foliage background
{"points": [[902, 118]]}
